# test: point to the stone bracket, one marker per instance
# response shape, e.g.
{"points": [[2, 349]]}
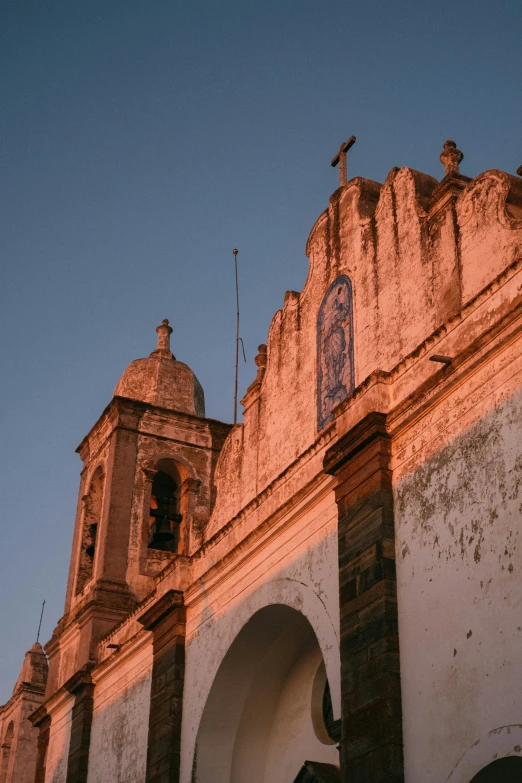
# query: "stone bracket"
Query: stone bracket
{"points": [[158, 611]]}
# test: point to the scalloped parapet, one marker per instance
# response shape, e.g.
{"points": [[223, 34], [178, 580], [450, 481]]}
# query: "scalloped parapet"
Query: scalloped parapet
{"points": [[415, 252]]}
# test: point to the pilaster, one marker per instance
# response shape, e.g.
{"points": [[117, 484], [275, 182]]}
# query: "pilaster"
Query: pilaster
{"points": [[371, 745], [41, 720], [166, 619], [82, 688]]}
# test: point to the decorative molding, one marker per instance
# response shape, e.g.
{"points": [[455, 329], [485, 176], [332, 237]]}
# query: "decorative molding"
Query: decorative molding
{"points": [[359, 437], [79, 679], [172, 599]]}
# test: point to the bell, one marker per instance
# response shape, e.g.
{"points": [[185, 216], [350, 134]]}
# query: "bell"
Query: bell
{"points": [[90, 549], [160, 534]]}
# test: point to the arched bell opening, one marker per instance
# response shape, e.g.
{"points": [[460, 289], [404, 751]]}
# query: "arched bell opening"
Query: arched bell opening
{"points": [[165, 518], [6, 752], [91, 520], [262, 720], [505, 770]]}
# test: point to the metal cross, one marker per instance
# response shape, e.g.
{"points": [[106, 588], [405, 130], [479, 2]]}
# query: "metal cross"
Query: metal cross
{"points": [[340, 159]]}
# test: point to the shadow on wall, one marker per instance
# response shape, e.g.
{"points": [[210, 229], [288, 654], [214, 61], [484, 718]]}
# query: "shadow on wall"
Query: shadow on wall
{"points": [[118, 748], [265, 711]]}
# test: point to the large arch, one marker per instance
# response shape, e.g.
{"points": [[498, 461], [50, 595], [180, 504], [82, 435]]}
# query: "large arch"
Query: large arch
{"points": [[499, 744], [259, 720]]}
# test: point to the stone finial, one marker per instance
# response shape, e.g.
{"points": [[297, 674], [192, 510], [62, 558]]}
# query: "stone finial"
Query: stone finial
{"points": [[519, 171], [163, 348], [260, 360], [252, 392], [450, 157]]}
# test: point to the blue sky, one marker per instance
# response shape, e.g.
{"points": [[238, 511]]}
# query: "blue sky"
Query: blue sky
{"points": [[140, 143]]}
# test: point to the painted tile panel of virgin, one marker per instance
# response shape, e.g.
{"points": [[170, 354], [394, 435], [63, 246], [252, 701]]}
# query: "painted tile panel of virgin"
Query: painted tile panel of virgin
{"points": [[335, 367]]}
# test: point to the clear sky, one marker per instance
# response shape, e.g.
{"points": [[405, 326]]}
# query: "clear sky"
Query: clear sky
{"points": [[141, 142]]}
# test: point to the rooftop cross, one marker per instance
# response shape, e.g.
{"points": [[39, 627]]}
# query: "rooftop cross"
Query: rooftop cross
{"points": [[340, 159]]}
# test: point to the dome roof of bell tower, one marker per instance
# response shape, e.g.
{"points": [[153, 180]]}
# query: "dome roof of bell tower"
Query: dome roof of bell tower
{"points": [[161, 380]]}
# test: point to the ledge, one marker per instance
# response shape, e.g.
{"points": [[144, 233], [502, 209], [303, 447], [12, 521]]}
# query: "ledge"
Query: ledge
{"points": [[173, 599], [372, 426]]}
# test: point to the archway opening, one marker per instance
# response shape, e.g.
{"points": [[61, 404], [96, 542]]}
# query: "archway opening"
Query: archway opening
{"points": [[6, 752], [92, 514], [164, 534], [261, 720], [506, 770]]}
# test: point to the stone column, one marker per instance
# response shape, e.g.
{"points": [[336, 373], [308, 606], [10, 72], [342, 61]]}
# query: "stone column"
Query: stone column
{"points": [[166, 620], [371, 746], [191, 525], [42, 721], [82, 688]]}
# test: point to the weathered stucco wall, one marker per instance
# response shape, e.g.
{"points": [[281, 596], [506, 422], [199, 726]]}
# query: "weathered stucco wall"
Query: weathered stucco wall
{"points": [[296, 568], [416, 251], [118, 750], [458, 495]]}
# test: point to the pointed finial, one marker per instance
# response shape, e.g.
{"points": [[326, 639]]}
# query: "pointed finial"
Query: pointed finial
{"points": [[450, 157], [519, 171], [261, 360], [163, 348]]}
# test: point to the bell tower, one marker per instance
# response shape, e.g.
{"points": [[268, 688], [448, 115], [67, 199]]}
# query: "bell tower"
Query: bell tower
{"points": [[146, 492]]}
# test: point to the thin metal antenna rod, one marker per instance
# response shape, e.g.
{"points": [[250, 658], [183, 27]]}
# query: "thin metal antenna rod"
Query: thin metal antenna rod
{"points": [[235, 252], [40, 623]]}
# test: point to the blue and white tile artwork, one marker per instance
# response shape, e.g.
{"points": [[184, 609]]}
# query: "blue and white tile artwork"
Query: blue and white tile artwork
{"points": [[335, 366]]}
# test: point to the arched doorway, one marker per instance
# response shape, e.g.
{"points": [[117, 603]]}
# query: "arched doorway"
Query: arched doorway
{"points": [[260, 719], [506, 770], [6, 752]]}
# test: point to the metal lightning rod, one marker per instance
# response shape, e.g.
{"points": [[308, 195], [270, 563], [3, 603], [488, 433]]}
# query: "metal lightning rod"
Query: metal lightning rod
{"points": [[40, 623], [235, 252], [238, 338]]}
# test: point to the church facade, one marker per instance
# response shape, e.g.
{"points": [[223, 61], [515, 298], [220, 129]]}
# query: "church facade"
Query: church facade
{"points": [[330, 590]]}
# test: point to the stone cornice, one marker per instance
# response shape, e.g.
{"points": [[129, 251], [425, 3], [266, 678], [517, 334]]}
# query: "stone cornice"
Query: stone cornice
{"points": [[323, 437], [257, 538], [121, 406], [365, 431], [79, 679], [39, 715], [112, 635], [483, 348], [179, 441], [118, 657], [388, 378], [172, 599], [110, 417], [403, 401], [24, 689]]}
